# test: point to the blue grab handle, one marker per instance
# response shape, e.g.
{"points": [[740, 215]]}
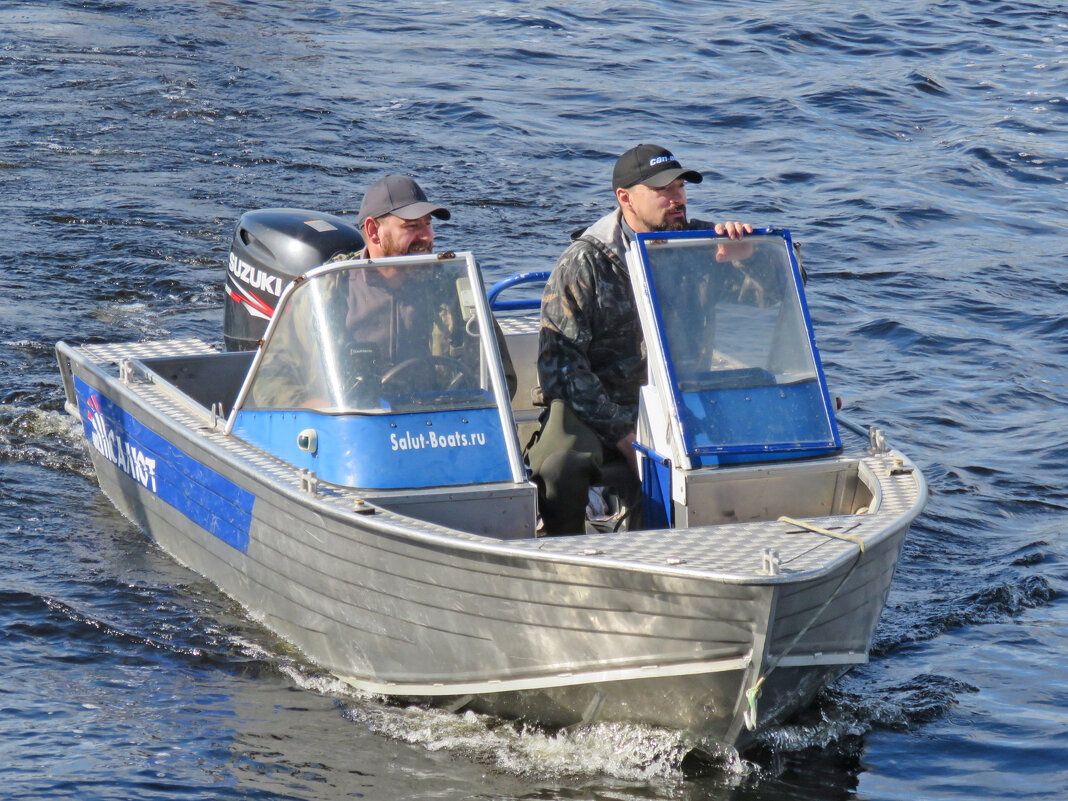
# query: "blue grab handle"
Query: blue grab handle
{"points": [[524, 304]]}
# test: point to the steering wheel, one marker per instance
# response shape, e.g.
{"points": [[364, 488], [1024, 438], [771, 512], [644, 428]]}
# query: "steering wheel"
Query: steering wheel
{"points": [[458, 368]]}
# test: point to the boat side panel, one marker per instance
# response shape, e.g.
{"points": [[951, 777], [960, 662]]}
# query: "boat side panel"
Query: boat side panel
{"points": [[433, 614], [848, 621], [208, 499], [704, 705], [391, 608], [434, 618]]}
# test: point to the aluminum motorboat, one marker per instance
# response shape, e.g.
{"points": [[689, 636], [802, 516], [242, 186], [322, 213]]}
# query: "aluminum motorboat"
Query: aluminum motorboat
{"points": [[353, 475]]}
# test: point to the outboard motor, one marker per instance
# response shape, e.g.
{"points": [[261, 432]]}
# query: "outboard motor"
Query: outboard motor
{"points": [[271, 247]]}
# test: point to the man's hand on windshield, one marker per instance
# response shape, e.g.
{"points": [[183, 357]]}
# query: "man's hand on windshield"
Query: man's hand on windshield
{"points": [[732, 251]]}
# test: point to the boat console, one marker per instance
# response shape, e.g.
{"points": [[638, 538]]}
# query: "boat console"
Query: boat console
{"points": [[357, 350], [735, 380], [375, 374]]}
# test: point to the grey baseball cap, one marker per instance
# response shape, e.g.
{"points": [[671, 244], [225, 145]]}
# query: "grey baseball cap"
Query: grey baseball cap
{"points": [[400, 195]]}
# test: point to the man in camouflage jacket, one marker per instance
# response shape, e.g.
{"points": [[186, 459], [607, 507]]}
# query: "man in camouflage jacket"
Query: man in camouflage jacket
{"points": [[591, 350]]}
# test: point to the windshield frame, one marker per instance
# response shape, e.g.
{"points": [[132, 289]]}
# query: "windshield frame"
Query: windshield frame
{"points": [[664, 376], [488, 342]]}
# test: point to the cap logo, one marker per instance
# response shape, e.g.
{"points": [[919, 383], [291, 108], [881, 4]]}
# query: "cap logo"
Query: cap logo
{"points": [[660, 159]]}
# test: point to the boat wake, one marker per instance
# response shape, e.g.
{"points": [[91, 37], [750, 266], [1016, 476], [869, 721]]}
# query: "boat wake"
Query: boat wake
{"points": [[621, 751], [843, 714], [1002, 595], [831, 729]]}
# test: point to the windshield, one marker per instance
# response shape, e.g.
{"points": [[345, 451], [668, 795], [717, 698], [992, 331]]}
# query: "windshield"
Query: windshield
{"points": [[725, 318], [737, 343], [375, 338]]}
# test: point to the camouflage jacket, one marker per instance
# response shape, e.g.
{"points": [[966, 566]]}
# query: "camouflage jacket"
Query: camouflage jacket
{"points": [[591, 353]]}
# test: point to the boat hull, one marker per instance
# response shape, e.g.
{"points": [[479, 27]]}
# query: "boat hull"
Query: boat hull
{"points": [[559, 632]]}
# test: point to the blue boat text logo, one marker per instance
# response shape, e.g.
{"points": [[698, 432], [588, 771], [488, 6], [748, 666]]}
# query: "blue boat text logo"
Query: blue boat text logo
{"points": [[429, 439], [128, 458]]}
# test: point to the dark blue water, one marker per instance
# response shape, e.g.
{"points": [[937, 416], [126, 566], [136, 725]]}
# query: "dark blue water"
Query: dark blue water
{"points": [[918, 150]]}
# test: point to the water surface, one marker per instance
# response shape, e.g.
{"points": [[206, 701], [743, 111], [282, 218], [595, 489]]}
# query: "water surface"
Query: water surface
{"points": [[918, 150]]}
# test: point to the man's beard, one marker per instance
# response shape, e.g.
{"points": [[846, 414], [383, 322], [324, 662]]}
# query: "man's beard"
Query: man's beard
{"points": [[680, 224], [391, 248]]}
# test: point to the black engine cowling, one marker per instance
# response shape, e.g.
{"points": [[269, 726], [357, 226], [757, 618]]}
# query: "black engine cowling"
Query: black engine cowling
{"points": [[271, 247]]}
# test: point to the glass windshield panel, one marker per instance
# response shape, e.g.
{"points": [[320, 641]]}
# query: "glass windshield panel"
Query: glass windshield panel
{"points": [[737, 342], [376, 339]]}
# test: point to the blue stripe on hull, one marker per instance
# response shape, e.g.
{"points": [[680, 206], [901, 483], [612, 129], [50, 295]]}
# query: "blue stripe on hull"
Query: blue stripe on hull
{"points": [[213, 502]]}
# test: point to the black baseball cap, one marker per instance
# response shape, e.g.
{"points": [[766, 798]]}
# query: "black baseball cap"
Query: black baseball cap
{"points": [[650, 165], [400, 195]]}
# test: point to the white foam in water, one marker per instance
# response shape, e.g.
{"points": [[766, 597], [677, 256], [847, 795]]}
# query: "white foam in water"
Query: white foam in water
{"points": [[22, 429], [44, 423], [134, 315], [622, 751], [323, 683], [785, 739]]}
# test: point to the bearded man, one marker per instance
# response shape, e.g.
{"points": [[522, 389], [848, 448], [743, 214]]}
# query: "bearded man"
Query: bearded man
{"points": [[411, 318], [591, 354], [395, 218], [391, 314]]}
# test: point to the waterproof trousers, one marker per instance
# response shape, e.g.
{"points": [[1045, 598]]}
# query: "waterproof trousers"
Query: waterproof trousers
{"points": [[567, 458]]}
